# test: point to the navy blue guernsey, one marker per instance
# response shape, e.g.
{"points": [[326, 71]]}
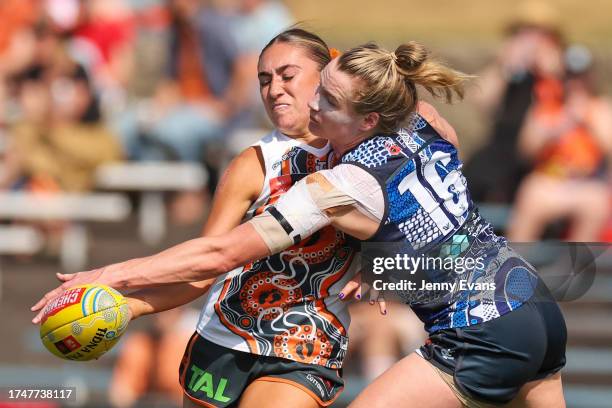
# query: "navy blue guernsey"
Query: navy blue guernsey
{"points": [[428, 210]]}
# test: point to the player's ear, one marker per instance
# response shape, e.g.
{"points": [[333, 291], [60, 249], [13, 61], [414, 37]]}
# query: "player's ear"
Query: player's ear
{"points": [[369, 121]]}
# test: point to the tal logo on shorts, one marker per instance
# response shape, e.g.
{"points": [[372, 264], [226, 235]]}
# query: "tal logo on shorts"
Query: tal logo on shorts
{"points": [[203, 381]]}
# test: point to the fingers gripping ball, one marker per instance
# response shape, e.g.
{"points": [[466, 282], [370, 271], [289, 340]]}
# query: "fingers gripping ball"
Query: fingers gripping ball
{"points": [[84, 322]]}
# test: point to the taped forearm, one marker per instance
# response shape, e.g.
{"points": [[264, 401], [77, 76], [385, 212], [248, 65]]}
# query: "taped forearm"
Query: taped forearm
{"points": [[299, 213], [273, 231]]}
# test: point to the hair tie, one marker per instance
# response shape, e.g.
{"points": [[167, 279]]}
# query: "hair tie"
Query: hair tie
{"points": [[334, 52]]}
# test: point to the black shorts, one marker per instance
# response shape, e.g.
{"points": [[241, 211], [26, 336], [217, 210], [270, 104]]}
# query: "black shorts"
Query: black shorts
{"points": [[216, 376], [490, 362]]}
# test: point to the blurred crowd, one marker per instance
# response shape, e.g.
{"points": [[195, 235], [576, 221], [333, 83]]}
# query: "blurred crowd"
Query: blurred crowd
{"points": [[89, 82], [549, 148]]}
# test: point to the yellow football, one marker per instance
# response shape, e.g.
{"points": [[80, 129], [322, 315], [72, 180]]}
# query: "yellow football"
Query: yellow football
{"points": [[84, 322]]}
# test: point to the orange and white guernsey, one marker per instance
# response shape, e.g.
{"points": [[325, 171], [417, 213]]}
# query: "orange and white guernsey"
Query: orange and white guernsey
{"points": [[285, 305]]}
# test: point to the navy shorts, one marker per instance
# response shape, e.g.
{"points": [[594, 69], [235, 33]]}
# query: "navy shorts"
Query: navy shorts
{"points": [[215, 376], [491, 361]]}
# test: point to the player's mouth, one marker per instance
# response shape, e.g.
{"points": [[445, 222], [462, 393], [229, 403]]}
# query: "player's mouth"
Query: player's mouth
{"points": [[280, 107]]}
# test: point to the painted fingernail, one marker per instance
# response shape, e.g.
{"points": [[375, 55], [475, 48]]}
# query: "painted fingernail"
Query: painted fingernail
{"points": [[341, 295], [384, 312], [358, 296]]}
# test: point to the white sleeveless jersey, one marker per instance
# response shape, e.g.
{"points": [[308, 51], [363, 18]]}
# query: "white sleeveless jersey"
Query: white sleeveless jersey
{"points": [[285, 305]]}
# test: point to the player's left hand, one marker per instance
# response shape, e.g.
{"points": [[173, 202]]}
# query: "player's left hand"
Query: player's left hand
{"points": [[354, 289], [69, 280]]}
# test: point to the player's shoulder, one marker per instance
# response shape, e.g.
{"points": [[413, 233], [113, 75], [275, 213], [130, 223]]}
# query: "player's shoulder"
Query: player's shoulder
{"points": [[270, 137], [428, 113], [247, 166], [275, 141], [372, 152]]}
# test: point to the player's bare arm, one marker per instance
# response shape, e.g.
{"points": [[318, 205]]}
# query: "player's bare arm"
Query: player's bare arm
{"points": [[309, 206], [240, 185]]}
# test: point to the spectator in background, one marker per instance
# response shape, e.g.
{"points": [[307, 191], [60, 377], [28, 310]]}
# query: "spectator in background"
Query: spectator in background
{"points": [[104, 41], [507, 91], [258, 21], [254, 23], [203, 95], [59, 138], [16, 37], [17, 45], [56, 138], [568, 138]]}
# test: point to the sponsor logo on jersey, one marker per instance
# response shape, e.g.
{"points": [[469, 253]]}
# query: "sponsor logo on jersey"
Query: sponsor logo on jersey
{"points": [[344, 342], [284, 157], [392, 148]]}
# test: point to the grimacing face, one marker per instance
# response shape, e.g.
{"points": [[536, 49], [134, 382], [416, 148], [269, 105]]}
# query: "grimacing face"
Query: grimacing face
{"points": [[331, 113], [288, 79]]}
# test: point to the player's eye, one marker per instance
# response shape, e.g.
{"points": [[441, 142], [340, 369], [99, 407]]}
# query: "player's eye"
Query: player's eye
{"points": [[330, 101]]}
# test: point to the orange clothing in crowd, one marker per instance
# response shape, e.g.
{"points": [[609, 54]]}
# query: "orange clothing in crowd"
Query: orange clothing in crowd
{"points": [[15, 15], [573, 153], [190, 70]]}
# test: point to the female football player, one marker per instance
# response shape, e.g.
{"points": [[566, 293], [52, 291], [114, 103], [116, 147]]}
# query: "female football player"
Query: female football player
{"points": [[500, 340]]}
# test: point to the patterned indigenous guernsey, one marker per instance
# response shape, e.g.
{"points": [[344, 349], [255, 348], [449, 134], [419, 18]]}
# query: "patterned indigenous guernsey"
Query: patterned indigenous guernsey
{"points": [[429, 211], [285, 305]]}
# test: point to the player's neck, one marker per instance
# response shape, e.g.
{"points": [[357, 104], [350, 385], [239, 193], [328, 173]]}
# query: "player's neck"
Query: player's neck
{"points": [[310, 139]]}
